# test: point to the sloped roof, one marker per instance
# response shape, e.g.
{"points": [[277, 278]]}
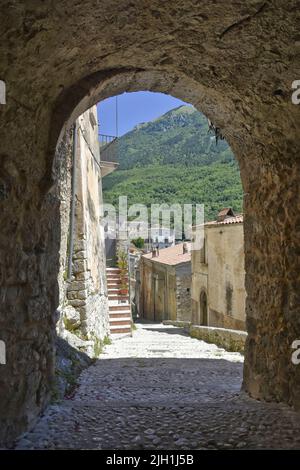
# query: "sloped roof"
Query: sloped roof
{"points": [[237, 219], [225, 212], [172, 255]]}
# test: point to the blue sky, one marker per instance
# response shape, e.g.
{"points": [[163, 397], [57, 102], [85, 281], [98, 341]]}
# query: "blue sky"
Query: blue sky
{"points": [[133, 108]]}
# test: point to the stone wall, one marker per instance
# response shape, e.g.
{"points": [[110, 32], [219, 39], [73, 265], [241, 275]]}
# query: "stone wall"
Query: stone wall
{"points": [[29, 295], [226, 275], [183, 292], [83, 305], [35, 350], [164, 291], [231, 340], [221, 275], [62, 170], [157, 291], [87, 290]]}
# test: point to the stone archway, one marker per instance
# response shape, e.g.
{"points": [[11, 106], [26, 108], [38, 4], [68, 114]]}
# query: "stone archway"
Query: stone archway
{"points": [[236, 65]]}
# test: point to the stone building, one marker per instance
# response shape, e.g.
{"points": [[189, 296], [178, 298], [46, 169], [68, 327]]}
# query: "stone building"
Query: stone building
{"points": [[165, 284], [218, 274], [82, 280], [161, 237]]}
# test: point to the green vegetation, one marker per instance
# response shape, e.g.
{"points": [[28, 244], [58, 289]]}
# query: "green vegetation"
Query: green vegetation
{"points": [[122, 263], [100, 344], [217, 185], [98, 347], [106, 341], [138, 242], [70, 326], [174, 159]]}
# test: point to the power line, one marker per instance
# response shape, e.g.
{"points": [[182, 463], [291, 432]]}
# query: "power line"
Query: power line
{"points": [[117, 118]]}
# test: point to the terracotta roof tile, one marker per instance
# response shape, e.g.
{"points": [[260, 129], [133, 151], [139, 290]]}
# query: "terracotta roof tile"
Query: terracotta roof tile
{"points": [[172, 255], [237, 219]]}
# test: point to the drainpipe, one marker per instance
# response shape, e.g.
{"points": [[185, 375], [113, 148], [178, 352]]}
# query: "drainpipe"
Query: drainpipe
{"points": [[72, 211]]}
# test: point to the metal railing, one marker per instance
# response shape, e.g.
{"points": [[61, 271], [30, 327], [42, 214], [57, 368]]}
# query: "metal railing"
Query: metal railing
{"points": [[108, 148], [105, 139]]}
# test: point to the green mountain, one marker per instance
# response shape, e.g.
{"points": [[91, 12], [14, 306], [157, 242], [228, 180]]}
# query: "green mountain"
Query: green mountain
{"points": [[175, 159]]}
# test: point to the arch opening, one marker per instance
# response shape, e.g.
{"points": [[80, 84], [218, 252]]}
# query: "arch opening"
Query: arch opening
{"points": [[236, 127], [211, 62], [189, 159]]}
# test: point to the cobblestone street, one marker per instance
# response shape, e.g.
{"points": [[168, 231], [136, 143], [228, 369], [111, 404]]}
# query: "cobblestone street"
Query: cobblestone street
{"points": [[162, 389]]}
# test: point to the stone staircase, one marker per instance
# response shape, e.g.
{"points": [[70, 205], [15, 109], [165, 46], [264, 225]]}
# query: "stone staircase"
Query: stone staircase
{"points": [[120, 319]]}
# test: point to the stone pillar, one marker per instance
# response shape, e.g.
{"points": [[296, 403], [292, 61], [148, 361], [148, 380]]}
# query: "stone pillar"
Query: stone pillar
{"points": [[32, 268], [29, 264], [272, 263]]}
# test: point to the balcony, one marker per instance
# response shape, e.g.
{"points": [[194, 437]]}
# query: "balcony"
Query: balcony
{"points": [[108, 154]]}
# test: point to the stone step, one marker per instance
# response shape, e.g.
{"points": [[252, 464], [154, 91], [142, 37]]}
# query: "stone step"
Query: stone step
{"points": [[113, 290], [117, 286], [114, 277], [116, 282], [120, 322], [118, 307], [118, 293], [112, 270], [120, 314], [118, 297], [121, 317]]}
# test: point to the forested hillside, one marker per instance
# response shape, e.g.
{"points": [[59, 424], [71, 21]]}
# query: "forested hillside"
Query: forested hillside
{"points": [[175, 159]]}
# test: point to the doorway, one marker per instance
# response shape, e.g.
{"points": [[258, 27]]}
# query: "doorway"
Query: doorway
{"points": [[203, 309]]}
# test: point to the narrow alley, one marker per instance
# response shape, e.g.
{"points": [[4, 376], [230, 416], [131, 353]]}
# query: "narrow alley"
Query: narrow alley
{"points": [[161, 389]]}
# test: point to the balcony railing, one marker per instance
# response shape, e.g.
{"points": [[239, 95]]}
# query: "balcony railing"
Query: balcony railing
{"points": [[108, 148], [105, 139]]}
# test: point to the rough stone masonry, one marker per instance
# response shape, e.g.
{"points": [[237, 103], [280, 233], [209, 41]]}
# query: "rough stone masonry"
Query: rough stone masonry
{"points": [[85, 304], [178, 393], [235, 62]]}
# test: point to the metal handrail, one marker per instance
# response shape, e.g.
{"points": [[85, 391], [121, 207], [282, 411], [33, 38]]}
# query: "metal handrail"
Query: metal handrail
{"points": [[108, 148], [106, 138]]}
